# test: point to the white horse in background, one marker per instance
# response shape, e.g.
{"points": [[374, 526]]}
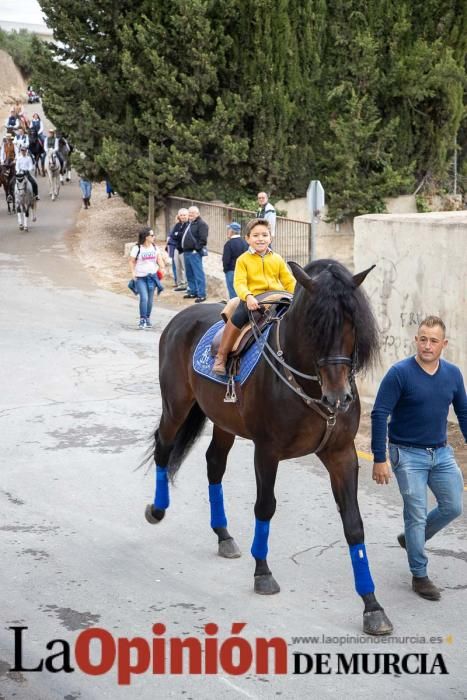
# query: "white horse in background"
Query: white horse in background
{"points": [[24, 200], [53, 168]]}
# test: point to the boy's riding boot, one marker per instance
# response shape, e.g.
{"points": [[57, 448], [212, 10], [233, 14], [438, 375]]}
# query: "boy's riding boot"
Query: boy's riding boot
{"points": [[229, 336]]}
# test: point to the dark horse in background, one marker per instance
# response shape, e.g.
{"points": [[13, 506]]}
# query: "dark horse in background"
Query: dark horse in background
{"points": [[7, 181], [64, 152], [37, 151], [308, 404]]}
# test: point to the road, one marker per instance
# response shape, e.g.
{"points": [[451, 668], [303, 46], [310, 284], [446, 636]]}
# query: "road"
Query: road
{"points": [[78, 403]]}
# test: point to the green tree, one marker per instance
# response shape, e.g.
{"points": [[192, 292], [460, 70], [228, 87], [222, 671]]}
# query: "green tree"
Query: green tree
{"points": [[222, 98]]}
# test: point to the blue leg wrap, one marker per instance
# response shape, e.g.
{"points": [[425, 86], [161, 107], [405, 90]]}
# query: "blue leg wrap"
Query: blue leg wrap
{"points": [[361, 569], [161, 497], [259, 548], [216, 501]]}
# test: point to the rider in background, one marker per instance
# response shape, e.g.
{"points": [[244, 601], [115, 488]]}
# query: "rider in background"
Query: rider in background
{"points": [[7, 151], [22, 116], [12, 121], [36, 123], [51, 141], [21, 140], [24, 163]]}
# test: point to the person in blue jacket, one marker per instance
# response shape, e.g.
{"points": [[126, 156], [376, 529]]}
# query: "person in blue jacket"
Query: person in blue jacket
{"points": [[233, 248], [416, 393]]}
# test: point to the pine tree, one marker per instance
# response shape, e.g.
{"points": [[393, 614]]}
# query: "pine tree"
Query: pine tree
{"points": [[217, 98]]}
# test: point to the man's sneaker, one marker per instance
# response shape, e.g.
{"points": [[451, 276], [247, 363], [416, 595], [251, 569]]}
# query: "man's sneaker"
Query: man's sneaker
{"points": [[425, 588], [142, 323], [148, 323], [401, 540], [190, 296], [180, 288], [198, 300]]}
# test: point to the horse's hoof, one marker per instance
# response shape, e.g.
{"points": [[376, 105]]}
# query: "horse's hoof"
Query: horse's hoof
{"points": [[68, 179], [377, 623], [34, 218], [266, 584], [229, 549], [21, 228], [153, 515]]}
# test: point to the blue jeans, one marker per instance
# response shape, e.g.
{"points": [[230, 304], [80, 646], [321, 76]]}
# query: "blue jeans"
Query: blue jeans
{"points": [[229, 278], [195, 273], [415, 468], [146, 295], [86, 188]]}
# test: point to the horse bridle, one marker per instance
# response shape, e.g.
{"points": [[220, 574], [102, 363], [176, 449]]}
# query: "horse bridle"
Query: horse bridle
{"points": [[21, 180], [289, 380]]}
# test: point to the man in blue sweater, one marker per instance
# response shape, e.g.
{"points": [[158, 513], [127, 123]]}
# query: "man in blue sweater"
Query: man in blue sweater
{"points": [[417, 393]]}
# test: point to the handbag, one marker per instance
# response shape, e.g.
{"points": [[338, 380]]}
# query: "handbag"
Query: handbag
{"points": [[160, 274]]}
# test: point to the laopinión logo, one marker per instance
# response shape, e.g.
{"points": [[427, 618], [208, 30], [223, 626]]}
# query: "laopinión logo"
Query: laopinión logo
{"points": [[96, 652]]}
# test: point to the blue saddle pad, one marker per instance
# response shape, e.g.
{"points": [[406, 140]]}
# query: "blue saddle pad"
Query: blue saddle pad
{"points": [[203, 360]]}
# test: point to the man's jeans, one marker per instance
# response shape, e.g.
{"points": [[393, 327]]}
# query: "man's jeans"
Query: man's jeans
{"points": [[416, 468], [195, 273], [229, 278]]}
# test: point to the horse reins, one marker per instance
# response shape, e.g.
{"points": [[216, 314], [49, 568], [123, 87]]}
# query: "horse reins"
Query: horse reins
{"points": [[290, 381]]}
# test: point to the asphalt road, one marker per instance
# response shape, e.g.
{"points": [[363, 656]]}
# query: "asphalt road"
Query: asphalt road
{"points": [[79, 399]]}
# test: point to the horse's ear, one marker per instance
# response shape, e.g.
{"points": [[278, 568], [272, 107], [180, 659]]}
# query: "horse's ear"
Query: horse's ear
{"points": [[360, 276], [301, 276]]}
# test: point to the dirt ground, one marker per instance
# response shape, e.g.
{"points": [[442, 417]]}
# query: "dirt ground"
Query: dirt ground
{"points": [[110, 224]]}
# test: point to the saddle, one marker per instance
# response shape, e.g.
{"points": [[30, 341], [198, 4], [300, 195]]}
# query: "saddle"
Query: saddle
{"points": [[278, 304]]}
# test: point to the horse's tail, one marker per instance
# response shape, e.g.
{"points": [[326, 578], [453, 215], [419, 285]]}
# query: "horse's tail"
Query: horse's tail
{"points": [[185, 438]]}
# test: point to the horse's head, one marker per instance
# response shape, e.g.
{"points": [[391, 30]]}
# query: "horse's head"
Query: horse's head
{"points": [[339, 326], [20, 180]]}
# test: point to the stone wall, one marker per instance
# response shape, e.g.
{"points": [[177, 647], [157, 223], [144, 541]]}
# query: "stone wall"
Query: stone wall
{"points": [[421, 263]]}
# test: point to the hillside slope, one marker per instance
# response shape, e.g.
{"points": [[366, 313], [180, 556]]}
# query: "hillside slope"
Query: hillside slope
{"points": [[12, 85]]}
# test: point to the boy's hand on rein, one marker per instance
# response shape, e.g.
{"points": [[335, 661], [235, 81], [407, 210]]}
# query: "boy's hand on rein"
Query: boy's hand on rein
{"points": [[251, 303]]}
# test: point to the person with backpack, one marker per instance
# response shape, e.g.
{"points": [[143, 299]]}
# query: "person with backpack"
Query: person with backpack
{"points": [[147, 266]]}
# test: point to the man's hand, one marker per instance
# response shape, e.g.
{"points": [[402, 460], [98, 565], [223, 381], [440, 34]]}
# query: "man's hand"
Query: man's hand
{"points": [[381, 472]]}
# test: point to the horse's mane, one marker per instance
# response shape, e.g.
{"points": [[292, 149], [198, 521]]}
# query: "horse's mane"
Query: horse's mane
{"points": [[336, 298]]}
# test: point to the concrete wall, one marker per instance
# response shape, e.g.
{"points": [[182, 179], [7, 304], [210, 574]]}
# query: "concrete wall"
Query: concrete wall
{"points": [[421, 264]]}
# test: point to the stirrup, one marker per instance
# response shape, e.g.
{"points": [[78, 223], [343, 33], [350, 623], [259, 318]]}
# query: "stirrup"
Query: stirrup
{"points": [[230, 394]]}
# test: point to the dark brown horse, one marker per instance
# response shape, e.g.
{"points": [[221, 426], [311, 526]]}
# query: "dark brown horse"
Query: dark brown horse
{"points": [[36, 149], [301, 399], [7, 181]]}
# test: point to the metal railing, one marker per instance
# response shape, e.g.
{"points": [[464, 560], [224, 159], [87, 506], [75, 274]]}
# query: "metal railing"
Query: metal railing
{"points": [[292, 239]]}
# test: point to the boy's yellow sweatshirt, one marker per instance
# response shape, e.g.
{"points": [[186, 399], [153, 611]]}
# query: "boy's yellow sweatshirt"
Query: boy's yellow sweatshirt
{"points": [[255, 274]]}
